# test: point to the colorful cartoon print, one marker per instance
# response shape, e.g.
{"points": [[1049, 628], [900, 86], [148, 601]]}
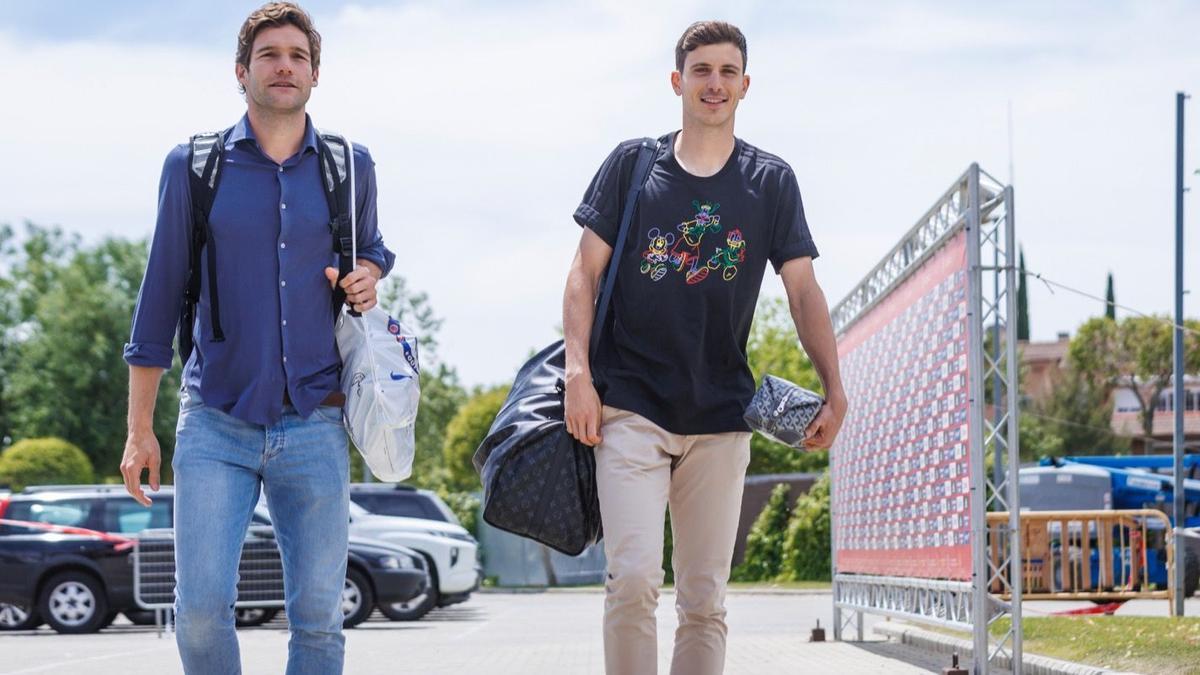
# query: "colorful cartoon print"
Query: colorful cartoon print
{"points": [[685, 254], [654, 258], [685, 257], [727, 259]]}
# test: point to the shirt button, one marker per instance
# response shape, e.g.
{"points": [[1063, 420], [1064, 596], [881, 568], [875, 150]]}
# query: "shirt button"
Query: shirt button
{"points": [[282, 244], [281, 169], [283, 283], [283, 206], [285, 322], [285, 359]]}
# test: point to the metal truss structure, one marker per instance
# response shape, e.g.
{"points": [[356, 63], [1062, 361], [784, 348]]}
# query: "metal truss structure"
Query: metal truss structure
{"points": [[984, 207], [936, 601]]}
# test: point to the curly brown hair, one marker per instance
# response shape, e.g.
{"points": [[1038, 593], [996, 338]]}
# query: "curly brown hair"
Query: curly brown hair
{"points": [[273, 15], [704, 33]]}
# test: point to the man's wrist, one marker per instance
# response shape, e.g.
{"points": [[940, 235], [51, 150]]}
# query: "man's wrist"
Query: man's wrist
{"points": [[139, 431], [581, 374], [374, 269], [837, 400]]}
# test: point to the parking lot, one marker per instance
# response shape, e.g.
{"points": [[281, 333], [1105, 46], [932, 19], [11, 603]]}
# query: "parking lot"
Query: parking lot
{"points": [[530, 633]]}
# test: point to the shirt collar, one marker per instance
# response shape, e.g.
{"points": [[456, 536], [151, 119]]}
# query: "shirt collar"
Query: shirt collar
{"points": [[242, 131]]}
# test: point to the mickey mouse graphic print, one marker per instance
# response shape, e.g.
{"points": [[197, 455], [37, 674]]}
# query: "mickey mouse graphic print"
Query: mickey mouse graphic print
{"points": [[674, 348]]}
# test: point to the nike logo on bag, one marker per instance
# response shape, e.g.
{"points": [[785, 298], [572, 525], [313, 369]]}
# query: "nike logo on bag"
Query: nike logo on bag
{"points": [[399, 377]]}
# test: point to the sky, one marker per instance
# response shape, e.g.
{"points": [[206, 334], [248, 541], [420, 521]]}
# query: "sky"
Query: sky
{"points": [[488, 119]]}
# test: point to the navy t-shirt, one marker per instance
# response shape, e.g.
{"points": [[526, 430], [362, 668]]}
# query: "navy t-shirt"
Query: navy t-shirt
{"points": [[674, 349]]}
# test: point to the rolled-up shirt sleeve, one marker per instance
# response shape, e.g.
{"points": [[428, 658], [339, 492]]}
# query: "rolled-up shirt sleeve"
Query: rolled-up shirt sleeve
{"points": [[370, 241], [160, 299]]}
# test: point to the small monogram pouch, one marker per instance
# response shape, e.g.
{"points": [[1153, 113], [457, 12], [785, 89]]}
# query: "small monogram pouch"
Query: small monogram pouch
{"points": [[782, 411]]}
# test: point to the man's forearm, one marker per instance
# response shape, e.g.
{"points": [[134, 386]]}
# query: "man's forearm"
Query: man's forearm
{"points": [[143, 391], [579, 302], [810, 313]]}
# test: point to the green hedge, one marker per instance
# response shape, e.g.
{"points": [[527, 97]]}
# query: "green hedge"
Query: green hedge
{"points": [[806, 554], [44, 461], [764, 545], [465, 506]]}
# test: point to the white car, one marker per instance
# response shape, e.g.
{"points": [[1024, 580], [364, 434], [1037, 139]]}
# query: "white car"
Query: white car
{"points": [[450, 552]]}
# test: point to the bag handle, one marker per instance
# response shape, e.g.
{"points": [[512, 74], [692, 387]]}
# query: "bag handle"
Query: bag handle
{"points": [[647, 153]]}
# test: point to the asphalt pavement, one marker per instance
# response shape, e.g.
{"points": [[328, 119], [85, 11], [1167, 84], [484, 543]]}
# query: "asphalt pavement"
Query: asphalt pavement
{"points": [[528, 633]]}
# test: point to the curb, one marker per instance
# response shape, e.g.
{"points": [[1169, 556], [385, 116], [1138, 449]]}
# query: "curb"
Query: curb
{"points": [[945, 644]]}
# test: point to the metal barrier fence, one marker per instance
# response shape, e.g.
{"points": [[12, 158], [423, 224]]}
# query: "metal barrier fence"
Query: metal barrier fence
{"points": [[260, 571], [1057, 550]]}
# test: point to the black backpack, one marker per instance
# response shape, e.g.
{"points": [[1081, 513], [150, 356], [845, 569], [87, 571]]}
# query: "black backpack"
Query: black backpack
{"points": [[205, 161]]}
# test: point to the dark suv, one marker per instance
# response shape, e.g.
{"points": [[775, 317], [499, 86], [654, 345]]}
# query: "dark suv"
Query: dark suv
{"points": [[389, 499]]}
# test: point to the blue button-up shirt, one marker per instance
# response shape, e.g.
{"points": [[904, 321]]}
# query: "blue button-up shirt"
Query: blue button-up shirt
{"points": [[270, 223]]}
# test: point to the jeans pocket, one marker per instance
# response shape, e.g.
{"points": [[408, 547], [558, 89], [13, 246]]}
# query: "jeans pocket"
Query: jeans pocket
{"points": [[189, 401], [329, 413]]}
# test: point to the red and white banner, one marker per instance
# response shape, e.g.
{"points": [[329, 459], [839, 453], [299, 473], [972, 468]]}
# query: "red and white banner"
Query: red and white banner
{"points": [[901, 480]]}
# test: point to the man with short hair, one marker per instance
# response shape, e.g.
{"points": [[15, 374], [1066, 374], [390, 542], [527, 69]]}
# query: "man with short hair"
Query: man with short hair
{"points": [[260, 406], [662, 400]]}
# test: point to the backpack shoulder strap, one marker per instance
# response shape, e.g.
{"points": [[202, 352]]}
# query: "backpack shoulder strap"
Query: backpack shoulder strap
{"points": [[206, 150], [647, 153], [336, 156]]}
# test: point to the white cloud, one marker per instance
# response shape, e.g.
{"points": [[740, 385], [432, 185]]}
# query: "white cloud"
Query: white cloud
{"points": [[487, 122]]}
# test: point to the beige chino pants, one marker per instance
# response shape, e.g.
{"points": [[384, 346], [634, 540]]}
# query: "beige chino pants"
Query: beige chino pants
{"points": [[640, 469]]}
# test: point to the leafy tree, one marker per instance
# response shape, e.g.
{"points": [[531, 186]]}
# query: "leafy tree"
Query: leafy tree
{"points": [[63, 367], [806, 554], [1075, 420], [774, 349], [44, 461], [441, 393], [764, 543], [1022, 302], [464, 434], [1135, 353], [441, 397]]}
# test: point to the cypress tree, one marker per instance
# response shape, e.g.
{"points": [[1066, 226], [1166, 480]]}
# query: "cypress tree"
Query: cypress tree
{"points": [[1110, 306], [1022, 302]]}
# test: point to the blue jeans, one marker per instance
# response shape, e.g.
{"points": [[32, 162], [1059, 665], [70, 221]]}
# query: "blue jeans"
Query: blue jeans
{"points": [[220, 464]]}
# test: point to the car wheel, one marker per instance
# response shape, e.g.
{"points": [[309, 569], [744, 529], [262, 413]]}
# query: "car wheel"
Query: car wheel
{"points": [[358, 599], [246, 617], [73, 602], [16, 617], [417, 607], [1191, 572]]}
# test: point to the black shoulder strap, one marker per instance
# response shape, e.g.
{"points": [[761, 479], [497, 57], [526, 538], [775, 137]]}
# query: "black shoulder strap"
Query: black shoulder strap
{"points": [[336, 156], [647, 152], [205, 155]]}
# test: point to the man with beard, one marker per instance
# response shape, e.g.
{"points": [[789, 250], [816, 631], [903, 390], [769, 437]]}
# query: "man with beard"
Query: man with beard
{"points": [[260, 406]]}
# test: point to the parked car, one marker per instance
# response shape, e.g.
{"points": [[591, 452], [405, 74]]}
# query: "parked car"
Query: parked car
{"points": [[78, 582], [391, 499], [449, 550]]}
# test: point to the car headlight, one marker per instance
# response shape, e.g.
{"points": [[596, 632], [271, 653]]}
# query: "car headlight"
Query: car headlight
{"points": [[391, 562], [452, 535]]}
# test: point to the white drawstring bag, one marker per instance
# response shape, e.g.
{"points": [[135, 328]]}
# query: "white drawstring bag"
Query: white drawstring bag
{"points": [[380, 377]]}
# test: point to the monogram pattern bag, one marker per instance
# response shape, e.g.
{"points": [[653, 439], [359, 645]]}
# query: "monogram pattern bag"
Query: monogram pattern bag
{"points": [[782, 411], [538, 481]]}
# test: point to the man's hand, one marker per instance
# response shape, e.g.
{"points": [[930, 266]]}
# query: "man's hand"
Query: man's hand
{"points": [[824, 428], [359, 285], [141, 452], [582, 410]]}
